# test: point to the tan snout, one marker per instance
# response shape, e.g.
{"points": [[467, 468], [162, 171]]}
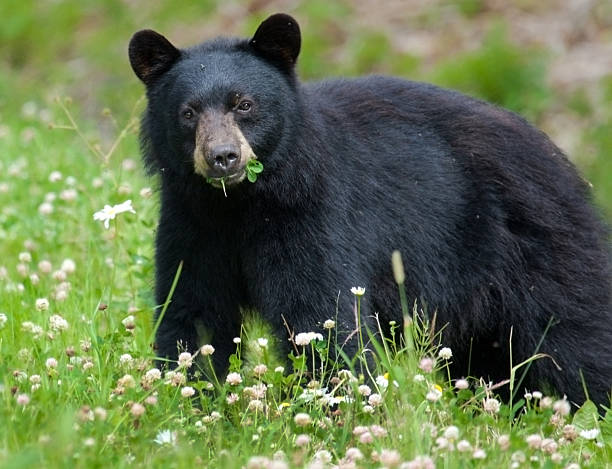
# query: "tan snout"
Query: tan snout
{"points": [[221, 150]]}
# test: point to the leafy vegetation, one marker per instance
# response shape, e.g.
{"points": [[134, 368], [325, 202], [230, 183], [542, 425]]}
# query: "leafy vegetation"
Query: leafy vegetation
{"points": [[78, 386]]}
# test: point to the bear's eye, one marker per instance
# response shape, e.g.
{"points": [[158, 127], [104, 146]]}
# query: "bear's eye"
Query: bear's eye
{"points": [[244, 106], [188, 114]]}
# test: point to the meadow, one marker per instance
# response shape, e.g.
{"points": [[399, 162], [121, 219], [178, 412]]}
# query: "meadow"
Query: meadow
{"points": [[78, 383]]}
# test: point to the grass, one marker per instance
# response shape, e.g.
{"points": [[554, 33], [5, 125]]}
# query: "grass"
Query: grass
{"points": [[76, 386]]}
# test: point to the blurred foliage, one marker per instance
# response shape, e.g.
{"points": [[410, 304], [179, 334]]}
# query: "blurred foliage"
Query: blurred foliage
{"points": [[78, 48]]}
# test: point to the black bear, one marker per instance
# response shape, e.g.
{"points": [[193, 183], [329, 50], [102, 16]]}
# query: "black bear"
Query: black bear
{"points": [[494, 224]]}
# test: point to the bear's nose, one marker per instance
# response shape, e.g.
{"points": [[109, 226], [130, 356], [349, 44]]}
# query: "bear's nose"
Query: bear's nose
{"points": [[223, 158]]}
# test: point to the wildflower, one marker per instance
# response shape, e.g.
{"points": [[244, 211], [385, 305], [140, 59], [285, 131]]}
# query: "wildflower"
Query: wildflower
{"points": [[237, 340], [152, 375], [45, 208], [262, 342], [23, 399], [418, 378], [260, 370], [382, 381], [389, 457], [479, 454], [364, 390], [51, 363], [464, 446], [329, 324], [146, 193], [359, 429], [358, 291], [504, 442], [68, 266], [427, 364], [420, 462], [375, 400], [89, 442], [174, 378], [368, 409], [549, 445], [55, 176], [451, 433], [255, 405], [445, 353], [323, 456], [590, 434], [100, 413], [187, 391], [302, 419], [207, 350], [302, 440], [304, 338], [34, 279], [570, 433], [3, 320], [534, 441], [562, 407], [491, 405], [233, 379], [353, 454], [536, 394], [185, 360], [126, 381], [25, 257], [462, 384], [366, 438], [546, 402], [42, 304], [129, 322], [279, 369], [109, 213], [433, 395], [58, 323], [68, 195], [378, 431], [45, 267], [165, 437], [137, 409]]}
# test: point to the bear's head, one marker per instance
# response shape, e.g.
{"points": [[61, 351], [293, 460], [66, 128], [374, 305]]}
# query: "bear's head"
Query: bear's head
{"points": [[213, 107]]}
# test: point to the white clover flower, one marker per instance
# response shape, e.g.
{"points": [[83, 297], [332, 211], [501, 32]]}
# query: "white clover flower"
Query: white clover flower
{"points": [[353, 454], [42, 304], [451, 433], [464, 446], [109, 213], [504, 442], [137, 409], [260, 370], [237, 340], [562, 407], [279, 369], [590, 434], [55, 176], [479, 454], [187, 391], [433, 395], [427, 364], [536, 394], [304, 338], [68, 266], [146, 193], [207, 350], [302, 419], [445, 353], [51, 363], [232, 398], [46, 208], [262, 342], [418, 378], [368, 409], [25, 257], [129, 322], [233, 379], [185, 360], [126, 360], [3, 320], [68, 195], [491, 405], [462, 384], [165, 437], [23, 399], [364, 390], [358, 291], [152, 375], [329, 324], [534, 441], [375, 400], [302, 440], [58, 323], [382, 381]]}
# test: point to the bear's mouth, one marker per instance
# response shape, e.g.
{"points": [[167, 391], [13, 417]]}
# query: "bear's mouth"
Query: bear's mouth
{"points": [[227, 181]]}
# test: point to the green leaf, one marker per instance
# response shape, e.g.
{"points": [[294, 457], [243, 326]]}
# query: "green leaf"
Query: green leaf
{"points": [[252, 177], [586, 417]]}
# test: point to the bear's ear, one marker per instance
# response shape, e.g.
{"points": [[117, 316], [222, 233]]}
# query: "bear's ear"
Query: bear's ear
{"points": [[151, 55], [278, 40]]}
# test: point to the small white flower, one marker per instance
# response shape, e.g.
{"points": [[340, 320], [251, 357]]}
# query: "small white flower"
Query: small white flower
{"points": [[536, 394], [126, 360], [185, 360], [109, 213], [165, 437], [260, 370], [479, 454], [358, 291], [129, 322], [51, 363], [445, 353], [302, 419], [329, 324], [368, 409], [58, 323], [462, 384], [187, 391], [590, 434], [25, 257], [137, 409], [233, 379], [433, 395], [491, 405], [68, 266], [382, 382], [534, 441], [464, 446], [364, 390], [304, 338], [262, 342], [146, 193], [375, 400], [69, 195], [237, 340], [207, 350], [451, 433], [3, 320], [152, 375], [279, 369], [55, 176], [42, 304], [302, 440], [23, 399], [46, 208]]}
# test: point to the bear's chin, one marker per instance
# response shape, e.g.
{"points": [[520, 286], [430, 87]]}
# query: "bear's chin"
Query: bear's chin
{"points": [[228, 181]]}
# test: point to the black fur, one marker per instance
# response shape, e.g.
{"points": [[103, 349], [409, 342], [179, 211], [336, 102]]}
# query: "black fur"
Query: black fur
{"points": [[494, 224]]}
